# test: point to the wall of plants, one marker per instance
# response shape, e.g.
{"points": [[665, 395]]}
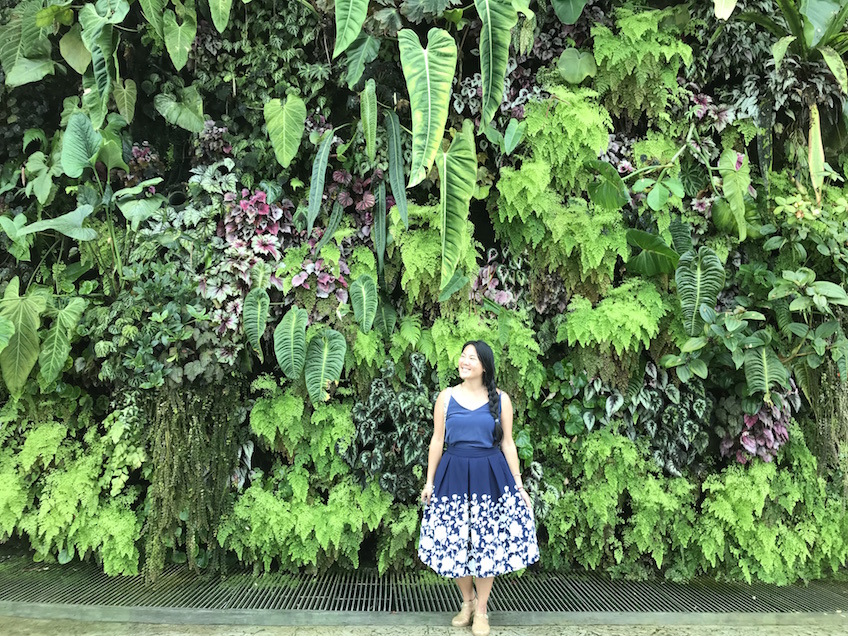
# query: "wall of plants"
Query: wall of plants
{"points": [[243, 243]]}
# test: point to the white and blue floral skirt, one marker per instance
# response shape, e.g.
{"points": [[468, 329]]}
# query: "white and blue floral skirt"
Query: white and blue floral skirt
{"points": [[476, 523]]}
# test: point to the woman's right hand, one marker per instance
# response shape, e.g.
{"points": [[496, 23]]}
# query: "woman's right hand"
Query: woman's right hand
{"points": [[426, 493]]}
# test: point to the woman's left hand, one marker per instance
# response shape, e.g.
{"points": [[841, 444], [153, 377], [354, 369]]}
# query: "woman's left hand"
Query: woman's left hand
{"points": [[526, 499]]}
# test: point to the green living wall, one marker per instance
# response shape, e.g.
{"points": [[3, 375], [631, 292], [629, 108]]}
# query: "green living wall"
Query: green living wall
{"points": [[242, 244]]}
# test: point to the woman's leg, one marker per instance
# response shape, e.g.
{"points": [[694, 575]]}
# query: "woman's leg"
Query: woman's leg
{"points": [[466, 586], [484, 588]]}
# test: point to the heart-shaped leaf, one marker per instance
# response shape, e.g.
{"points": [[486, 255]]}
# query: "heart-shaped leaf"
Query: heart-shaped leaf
{"points": [[80, 145], [285, 122], [574, 65]]}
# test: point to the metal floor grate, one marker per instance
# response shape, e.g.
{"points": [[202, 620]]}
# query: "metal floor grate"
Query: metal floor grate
{"points": [[22, 581]]}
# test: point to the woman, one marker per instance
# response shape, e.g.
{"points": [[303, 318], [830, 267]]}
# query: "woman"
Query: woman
{"points": [[478, 519]]}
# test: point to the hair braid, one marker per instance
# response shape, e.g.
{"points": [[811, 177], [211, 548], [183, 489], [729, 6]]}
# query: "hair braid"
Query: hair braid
{"points": [[494, 406]]}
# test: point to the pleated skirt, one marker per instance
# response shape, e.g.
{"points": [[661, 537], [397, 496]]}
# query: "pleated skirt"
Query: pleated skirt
{"points": [[476, 523]]}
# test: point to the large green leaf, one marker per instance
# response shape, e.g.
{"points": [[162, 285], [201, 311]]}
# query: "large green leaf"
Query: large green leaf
{"points": [[363, 299], [290, 342], [220, 10], [568, 11], [73, 49], [607, 190], [699, 278], [792, 17], [69, 224], [125, 94], [324, 363], [396, 179], [255, 314], [836, 65], [723, 8], [655, 258], [80, 145], [362, 51], [154, 11], [179, 37], [332, 226], [350, 15], [429, 73], [815, 153], [57, 345], [817, 16], [184, 110], [316, 185], [763, 370], [834, 26], [498, 17], [735, 182], [368, 114], [457, 176], [137, 210], [285, 123], [575, 65], [7, 330], [24, 47], [19, 357], [386, 318], [379, 231]]}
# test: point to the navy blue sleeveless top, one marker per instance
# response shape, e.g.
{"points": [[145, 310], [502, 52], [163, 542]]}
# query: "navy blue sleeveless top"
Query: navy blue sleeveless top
{"points": [[470, 428]]}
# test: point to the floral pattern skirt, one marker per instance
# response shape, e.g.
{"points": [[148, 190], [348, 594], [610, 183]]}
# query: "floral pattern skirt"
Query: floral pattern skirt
{"points": [[476, 523]]}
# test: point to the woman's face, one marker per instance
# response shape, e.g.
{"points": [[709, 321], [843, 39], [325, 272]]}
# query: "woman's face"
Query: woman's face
{"points": [[469, 364]]}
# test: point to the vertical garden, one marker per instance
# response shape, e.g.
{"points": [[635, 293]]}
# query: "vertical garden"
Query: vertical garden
{"points": [[243, 242]]}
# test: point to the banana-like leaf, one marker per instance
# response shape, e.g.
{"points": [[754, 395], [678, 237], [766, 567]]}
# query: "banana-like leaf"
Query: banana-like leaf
{"points": [[457, 176], [57, 345], [80, 145], [285, 123], [723, 8], [179, 37], [185, 111], [125, 94], [699, 278], [836, 65], [763, 370], [21, 353], [316, 185], [396, 179], [368, 113], [220, 10], [736, 177], [655, 258], [290, 342], [324, 363], [332, 226], [498, 18], [350, 15], [429, 73], [363, 299], [815, 157], [255, 314]]}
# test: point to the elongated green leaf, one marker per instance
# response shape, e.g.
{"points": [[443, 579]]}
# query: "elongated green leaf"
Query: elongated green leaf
{"points": [[384, 322], [179, 37], [73, 49], [362, 51], [723, 8], [498, 18], [368, 113], [457, 176], [24, 47], [815, 155], [290, 342], [457, 282], [285, 123], [735, 182], [316, 186], [763, 370], [363, 299], [816, 16], [103, 62], [607, 190], [255, 314], [125, 94], [836, 65], [57, 345], [324, 363], [655, 258], [568, 11], [681, 235], [154, 11], [220, 10], [396, 171], [778, 49], [792, 17], [380, 231], [699, 278], [69, 224], [764, 21], [184, 110], [350, 15], [80, 145], [7, 330], [429, 73], [332, 226], [513, 135], [21, 353]]}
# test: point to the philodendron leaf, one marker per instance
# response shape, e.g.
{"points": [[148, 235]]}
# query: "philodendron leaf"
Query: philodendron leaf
{"points": [[290, 342], [57, 345], [154, 11], [137, 210], [655, 258], [429, 73], [815, 154], [699, 278], [350, 15], [21, 353], [316, 185], [80, 145], [607, 190], [125, 94], [574, 65], [69, 224], [220, 10], [24, 47], [363, 299], [324, 363], [7, 330], [185, 111], [396, 171], [513, 135], [723, 8], [179, 37], [568, 11], [362, 51], [73, 49], [763, 370], [736, 177], [368, 114], [498, 18], [255, 314], [457, 176], [285, 122]]}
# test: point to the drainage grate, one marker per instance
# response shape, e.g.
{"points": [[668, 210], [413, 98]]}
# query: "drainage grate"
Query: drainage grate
{"points": [[77, 584]]}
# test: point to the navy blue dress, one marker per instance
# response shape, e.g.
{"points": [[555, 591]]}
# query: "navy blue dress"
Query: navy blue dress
{"points": [[476, 523]]}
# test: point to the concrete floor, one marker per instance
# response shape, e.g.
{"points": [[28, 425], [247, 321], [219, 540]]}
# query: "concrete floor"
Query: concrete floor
{"points": [[13, 626]]}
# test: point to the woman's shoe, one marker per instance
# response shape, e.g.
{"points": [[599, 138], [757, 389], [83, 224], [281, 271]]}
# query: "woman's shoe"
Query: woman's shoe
{"points": [[463, 619], [481, 625]]}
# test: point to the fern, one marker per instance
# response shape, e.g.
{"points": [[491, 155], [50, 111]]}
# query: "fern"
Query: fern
{"points": [[397, 543], [278, 420], [42, 444]]}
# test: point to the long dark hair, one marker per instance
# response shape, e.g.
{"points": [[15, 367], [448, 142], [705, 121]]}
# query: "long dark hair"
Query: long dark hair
{"points": [[487, 359]]}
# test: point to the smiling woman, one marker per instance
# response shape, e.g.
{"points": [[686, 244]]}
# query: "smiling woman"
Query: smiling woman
{"points": [[478, 521]]}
